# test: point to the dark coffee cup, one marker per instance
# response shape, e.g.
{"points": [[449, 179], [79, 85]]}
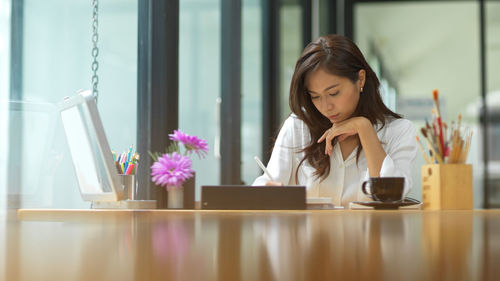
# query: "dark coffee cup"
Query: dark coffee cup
{"points": [[384, 189]]}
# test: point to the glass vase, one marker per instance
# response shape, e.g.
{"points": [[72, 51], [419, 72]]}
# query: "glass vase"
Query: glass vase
{"points": [[176, 198]]}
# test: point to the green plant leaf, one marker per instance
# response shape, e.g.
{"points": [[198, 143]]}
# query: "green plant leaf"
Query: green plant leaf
{"points": [[154, 156], [173, 147]]}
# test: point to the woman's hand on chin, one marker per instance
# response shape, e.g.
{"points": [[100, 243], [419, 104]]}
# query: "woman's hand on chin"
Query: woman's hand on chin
{"points": [[343, 130]]}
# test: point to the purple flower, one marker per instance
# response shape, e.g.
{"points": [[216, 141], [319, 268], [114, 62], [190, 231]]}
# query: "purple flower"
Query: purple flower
{"points": [[171, 170], [191, 143]]}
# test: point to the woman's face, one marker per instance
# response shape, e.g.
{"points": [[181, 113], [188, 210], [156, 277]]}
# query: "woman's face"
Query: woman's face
{"points": [[333, 96]]}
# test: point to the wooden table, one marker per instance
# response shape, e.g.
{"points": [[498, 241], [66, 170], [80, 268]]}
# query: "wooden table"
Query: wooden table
{"points": [[249, 245]]}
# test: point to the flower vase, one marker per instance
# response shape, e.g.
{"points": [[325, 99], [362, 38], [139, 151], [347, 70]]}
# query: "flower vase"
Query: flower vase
{"points": [[176, 198]]}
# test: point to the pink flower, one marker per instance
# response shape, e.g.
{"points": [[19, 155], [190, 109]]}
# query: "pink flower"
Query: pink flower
{"points": [[191, 143], [171, 170]]}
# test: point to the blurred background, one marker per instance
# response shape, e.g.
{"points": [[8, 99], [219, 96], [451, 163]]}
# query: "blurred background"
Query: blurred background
{"points": [[226, 79]]}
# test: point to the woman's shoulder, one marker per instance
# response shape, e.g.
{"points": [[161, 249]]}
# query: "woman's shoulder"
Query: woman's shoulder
{"points": [[399, 123], [294, 122], [396, 126], [295, 130]]}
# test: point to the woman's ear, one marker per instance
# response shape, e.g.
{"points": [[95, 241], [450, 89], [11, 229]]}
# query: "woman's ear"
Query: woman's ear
{"points": [[361, 78]]}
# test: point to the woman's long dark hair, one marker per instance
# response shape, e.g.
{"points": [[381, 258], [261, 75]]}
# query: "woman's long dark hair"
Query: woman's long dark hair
{"points": [[339, 56]]}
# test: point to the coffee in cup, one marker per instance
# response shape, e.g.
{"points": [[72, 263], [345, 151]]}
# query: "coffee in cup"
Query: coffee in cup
{"points": [[384, 189]]}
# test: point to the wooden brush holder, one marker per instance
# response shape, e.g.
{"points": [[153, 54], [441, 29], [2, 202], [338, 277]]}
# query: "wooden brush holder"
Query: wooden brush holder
{"points": [[447, 187]]}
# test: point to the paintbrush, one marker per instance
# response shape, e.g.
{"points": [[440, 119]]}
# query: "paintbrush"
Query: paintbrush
{"points": [[429, 143], [453, 149], [452, 129], [427, 126], [435, 139], [460, 145], [463, 157], [458, 124], [427, 161], [445, 133], [457, 147], [435, 96]]}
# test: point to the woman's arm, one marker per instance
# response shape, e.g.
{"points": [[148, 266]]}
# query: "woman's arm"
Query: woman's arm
{"points": [[374, 152], [401, 148], [398, 157], [280, 164], [361, 126]]}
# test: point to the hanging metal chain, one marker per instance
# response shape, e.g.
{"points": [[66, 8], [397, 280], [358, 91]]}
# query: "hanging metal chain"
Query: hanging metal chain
{"points": [[95, 49]]}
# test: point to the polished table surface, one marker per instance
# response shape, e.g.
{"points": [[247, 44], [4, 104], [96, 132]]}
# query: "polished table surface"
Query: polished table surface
{"points": [[249, 245]]}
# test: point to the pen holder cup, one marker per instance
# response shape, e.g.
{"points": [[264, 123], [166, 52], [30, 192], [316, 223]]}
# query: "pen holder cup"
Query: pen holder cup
{"points": [[447, 187], [129, 186]]}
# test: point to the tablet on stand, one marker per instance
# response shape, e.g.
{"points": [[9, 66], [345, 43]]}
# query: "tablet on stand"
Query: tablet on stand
{"points": [[95, 169]]}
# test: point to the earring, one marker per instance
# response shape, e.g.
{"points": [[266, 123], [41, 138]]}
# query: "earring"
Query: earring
{"points": [[361, 89]]}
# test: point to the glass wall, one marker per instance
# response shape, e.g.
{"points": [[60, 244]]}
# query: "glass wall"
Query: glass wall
{"points": [[414, 55], [4, 91], [325, 16], [493, 97], [4, 50], [290, 48], [199, 82], [251, 102], [56, 56]]}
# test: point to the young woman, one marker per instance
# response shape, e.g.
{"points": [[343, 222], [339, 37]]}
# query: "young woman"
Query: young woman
{"points": [[340, 133]]}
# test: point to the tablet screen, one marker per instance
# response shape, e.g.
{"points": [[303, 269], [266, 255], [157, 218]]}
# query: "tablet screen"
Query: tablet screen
{"points": [[90, 152]]}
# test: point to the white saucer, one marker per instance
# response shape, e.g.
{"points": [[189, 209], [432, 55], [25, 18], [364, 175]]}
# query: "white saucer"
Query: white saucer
{"points": [[319, 200]]}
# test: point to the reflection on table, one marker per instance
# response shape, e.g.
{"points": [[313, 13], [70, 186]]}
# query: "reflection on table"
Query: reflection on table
{"points": [[249, 245]]}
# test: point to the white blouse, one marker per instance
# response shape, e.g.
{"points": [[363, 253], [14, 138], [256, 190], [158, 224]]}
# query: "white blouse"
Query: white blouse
{"points": [[343, 184]]}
